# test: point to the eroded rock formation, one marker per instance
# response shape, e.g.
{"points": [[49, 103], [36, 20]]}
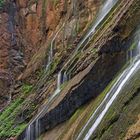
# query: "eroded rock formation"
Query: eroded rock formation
{"points": [[30, 29]]}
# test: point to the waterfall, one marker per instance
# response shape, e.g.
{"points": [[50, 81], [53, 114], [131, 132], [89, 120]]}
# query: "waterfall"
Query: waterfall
{"points": [[28, 136], [50, 55], [33, 129], [107, 6], [138, 48], [59, 82], [102, 109], [65, 77], [104, 10], [34, 125], [10, 98]]}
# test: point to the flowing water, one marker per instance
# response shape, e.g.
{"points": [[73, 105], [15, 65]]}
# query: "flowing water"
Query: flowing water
{"points": [[62, 77], [65, 77], [102, 109], [104, 10], [50, 55], [33, 130]]}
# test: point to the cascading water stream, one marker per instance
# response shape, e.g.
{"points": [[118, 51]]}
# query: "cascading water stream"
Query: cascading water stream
{"points": [[104, 10], [33, 130], [102, 109], [50, 55], [31, 127], [107, 6], [59, 82], [34, 126], [65, 77]]}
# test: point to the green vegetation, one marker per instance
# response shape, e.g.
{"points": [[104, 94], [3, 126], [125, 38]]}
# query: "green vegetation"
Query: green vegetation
{"points": [[123, 113], [10, 122], [133, 46], [54, 65], [26, 88], [1, 3], [90, 107], [55, 2], [8, 125]]}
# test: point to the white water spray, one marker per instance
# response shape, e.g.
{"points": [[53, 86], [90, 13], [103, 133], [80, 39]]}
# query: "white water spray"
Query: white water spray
{"points": [[62, 78], [102, 109], [50, 56], [102, 14], [65, 77], [104, 10], [58, 89]]}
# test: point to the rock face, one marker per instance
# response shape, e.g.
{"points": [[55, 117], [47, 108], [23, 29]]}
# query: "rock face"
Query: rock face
{"points": [[95, 72], [4, 46], [133, 132], [87, 84], [37, 32], [41, 20], [27, 27], [11, 55], [26, 30], [90, 85]]}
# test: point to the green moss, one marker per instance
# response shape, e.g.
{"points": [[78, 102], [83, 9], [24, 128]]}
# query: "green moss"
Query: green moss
{"points": [[8, 125], [1, 3], [18, 129], [40, 73], [55, 2], [122, 113], [54, 65], [64, 85], [26, 88], [133, 46], [10, 109]]}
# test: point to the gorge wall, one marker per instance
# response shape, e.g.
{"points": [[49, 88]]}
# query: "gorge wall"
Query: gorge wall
{"points": [[28, 30]]}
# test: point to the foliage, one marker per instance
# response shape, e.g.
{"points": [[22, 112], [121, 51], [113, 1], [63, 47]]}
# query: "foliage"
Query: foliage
{"points": [[133, 46], [9, 117], [8, 126], [26, 88], [1, 3]]}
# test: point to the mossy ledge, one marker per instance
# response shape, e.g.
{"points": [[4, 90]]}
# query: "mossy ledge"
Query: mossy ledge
{"points": [[110, 60]]}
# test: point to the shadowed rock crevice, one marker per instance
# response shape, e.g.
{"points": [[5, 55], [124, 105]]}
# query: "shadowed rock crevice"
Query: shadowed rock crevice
{"points": [[90, 87]]}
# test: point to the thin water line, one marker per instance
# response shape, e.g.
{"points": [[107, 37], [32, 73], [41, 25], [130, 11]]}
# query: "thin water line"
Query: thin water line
{"points": [[53, 95], [106, 7], [119, 84], [65, 77], [97, 122], [83, 129], [79, 45], [101, 15], [50, 56]]}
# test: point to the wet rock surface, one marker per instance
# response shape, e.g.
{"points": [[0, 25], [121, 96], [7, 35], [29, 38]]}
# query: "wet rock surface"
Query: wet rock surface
{"points": [[107, 60], [88, 88], [28, 28], [11, 56]]}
